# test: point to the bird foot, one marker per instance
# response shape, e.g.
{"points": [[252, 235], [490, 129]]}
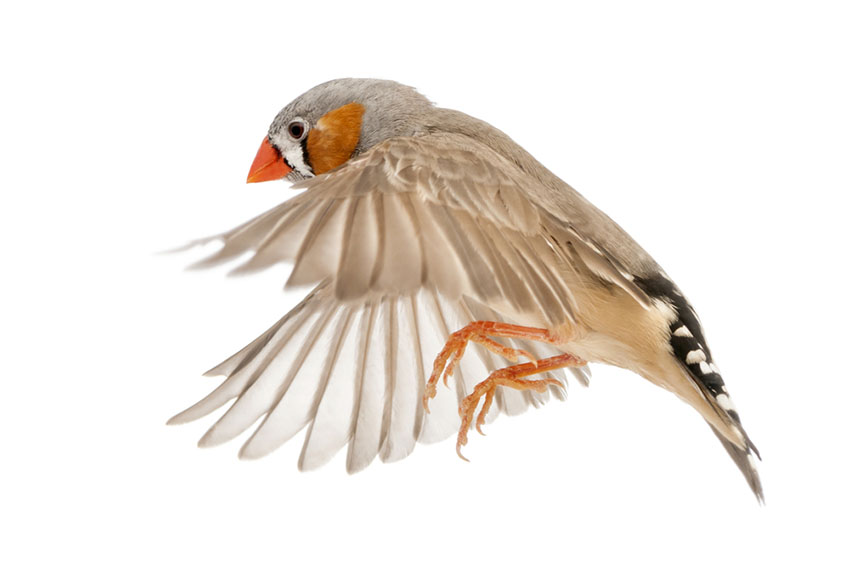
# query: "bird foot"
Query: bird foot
{"points": [[480, 332], [508, 377], [513, 376]]}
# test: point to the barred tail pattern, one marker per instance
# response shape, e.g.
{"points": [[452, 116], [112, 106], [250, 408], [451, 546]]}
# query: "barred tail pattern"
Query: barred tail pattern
{"points": [[688, 344]]}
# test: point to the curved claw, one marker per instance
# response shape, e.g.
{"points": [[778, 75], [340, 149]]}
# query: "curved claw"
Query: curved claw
{"points": [[488, 401], [513, 376], [459, 454]]}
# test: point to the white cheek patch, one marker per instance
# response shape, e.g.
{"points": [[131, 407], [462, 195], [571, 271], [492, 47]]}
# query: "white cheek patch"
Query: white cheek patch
{"points": [[294, 155]]}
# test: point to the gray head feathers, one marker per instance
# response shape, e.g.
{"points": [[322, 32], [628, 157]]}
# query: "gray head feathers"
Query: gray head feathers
{"points": [[392, 109]]}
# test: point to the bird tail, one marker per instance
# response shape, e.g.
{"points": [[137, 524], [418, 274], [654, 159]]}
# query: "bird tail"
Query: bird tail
{"points": [[689, 347], [745, 459]]}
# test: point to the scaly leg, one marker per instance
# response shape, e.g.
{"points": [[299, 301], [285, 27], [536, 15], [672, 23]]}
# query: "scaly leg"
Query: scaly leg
{"points": [[481, 332], [509, 377]]}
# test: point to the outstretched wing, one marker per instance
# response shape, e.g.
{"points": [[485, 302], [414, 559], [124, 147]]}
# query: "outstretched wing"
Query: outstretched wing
{"points": [[407, 243], [354, 373], [442, 212]]}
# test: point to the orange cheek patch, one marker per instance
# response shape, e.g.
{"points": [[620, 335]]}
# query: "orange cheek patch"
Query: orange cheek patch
{"points": [[334, 137]]}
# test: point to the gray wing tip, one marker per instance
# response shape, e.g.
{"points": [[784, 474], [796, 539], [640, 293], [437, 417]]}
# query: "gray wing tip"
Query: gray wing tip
{"points": [[176, 420], [187, 246]]}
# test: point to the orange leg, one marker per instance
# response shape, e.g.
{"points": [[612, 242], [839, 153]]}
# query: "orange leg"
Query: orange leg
{"points": [[482, 332], [509, 377]]}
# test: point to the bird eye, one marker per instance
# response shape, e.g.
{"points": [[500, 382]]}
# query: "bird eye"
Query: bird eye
{"points": [[296, 130]]}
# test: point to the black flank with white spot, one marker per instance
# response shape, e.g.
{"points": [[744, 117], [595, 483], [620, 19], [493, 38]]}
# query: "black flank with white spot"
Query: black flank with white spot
{"points": [[690, 348]]}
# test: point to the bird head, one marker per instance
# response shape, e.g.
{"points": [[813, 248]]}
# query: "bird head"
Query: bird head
{"points": [[334, 122]]}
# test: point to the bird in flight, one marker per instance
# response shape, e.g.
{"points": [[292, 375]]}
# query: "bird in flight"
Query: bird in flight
{"points": [[428, 233]]}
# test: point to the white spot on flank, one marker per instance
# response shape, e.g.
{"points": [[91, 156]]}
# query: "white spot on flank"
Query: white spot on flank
{"points": [[695, 356], [724, 402], [705, 368], [683, 332]]}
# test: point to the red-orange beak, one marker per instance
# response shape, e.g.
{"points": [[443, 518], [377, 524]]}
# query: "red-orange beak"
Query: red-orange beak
{"points": [[268, 164]]}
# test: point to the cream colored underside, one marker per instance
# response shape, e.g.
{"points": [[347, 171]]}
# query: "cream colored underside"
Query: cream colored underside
{"points": [[613, 328]]}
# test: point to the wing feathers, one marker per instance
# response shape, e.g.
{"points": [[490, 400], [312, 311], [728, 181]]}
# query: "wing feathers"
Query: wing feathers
{"points": [[366, 431], [265, 381], [359, 248], [246, 236], [245, 354], [405, 422], [401, 266], [473, 266], [333, 404], [253, 360], [443, 269], [602, 265], [284, 418], [408, 243], [282, 241], [417, 212], [319, 254], [354, 373]]}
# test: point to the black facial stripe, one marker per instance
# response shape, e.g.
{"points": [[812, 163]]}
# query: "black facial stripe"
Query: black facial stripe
{"points": [[305, 155], [282, 156]]}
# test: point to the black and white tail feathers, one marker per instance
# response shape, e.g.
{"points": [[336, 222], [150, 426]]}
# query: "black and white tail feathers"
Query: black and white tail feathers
{"points": [[690, 348]]}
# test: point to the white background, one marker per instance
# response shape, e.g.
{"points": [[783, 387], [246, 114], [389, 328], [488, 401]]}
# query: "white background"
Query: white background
{"points": [[717, 136]]}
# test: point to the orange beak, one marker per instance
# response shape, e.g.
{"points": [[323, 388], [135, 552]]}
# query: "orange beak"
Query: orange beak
{"points": [[268, 164]]}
